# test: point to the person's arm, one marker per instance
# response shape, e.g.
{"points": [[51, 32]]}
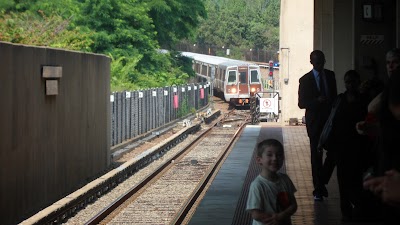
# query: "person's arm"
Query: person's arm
{"points": [[391, 188], [289, 211], [275, 218], [306, 99], [255, 205], [374, 184], [369, 126], [375, 104], [261, 216]]}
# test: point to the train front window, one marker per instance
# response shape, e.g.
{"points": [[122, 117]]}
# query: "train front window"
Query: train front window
{"points": [[254, 76], [243, 78], [232, 76]]}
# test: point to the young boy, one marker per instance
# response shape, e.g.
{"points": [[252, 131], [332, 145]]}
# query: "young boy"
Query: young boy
{"points": [[271, 197]]}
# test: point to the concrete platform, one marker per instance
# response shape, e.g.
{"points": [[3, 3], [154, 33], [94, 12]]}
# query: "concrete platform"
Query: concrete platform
{"points": [[225, 201]]}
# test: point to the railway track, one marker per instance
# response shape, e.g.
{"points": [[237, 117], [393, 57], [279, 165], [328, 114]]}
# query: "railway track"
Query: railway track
{"points": [[168, 194], [163, 185]]}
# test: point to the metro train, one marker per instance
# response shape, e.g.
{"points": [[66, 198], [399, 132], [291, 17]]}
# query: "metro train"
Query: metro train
{"points": [[235, 80]]}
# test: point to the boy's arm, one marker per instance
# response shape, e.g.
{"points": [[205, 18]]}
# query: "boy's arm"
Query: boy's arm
{"points": [[289, 211], [261, 216]]}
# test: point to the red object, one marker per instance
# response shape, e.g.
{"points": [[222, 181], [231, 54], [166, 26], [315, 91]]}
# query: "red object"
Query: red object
{"points": [[283, 200], [176, 102], [271, 68], [201, 93], [371, 125], [271, 64]]}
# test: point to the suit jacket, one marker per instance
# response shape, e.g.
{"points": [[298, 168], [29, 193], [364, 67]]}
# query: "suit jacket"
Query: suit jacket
{"points": [[316, 113]]}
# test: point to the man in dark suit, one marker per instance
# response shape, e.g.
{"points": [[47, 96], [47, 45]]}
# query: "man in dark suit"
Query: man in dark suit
{"points": [[317, 90]]}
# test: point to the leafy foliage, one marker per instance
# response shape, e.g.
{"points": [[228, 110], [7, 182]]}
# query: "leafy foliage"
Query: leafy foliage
{"points": [[129, 31], [175, 19], [41, 30], [238, 24]]}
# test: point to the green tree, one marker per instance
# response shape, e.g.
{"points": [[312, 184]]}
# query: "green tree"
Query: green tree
{"points": [[123, 29], [241, 24], [175, 20], [42, 30]]}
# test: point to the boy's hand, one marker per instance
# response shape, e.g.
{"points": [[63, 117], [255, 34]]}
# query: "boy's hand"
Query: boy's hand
{"points": [[271, 220]]}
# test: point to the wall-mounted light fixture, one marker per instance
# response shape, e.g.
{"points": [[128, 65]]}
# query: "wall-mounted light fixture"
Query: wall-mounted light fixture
{"points": [[52, 74]]}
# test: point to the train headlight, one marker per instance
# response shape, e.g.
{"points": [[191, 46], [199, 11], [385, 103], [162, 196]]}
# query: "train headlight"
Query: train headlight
{"points": [[233, 90], [253, 89]]}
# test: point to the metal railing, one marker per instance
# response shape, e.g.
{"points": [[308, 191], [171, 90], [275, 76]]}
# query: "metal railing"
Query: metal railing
{"points": [[137, 112]]}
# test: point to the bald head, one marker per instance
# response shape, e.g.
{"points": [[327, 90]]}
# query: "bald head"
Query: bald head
{"points": [[317, 59]]}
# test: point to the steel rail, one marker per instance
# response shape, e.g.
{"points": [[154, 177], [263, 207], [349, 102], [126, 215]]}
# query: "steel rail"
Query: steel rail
{"points": [[62, 214], [114, 205], [180, 217]]}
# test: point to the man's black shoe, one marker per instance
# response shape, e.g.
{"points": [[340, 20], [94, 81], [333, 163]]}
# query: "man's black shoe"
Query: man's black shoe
{"points": [[318, 198]]}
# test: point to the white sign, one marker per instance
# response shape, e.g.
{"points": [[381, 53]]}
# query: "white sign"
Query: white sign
{"points": [[269, 105], [367, 11], [195, 88], [183, 89], [175, 89], [189, 88], [111, 98], [372, 39], [140, 94], [165, 92], [128, 94], [200, 86], [154, 93]]}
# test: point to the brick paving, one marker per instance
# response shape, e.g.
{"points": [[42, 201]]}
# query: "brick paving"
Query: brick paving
{"points": [[298, 167], [225, 201]]}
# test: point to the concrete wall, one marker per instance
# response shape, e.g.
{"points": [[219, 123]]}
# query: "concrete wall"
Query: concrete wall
{"points": [[336, 27], [367, 56], [343, 46], [50, 144], [296, 44]]}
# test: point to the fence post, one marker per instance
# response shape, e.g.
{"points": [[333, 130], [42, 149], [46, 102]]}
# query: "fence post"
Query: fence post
{"points": [[159, 108], [113, 111], [135, 111], [166, 102], [119, 118], [140, 111], [147, 112], [175, 92]]}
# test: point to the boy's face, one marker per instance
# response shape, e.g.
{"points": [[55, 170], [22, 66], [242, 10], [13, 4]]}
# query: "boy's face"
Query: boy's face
{"points": [[271, 159]]}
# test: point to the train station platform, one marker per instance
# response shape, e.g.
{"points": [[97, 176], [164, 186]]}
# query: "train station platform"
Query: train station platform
{"points": [[225, 200]]}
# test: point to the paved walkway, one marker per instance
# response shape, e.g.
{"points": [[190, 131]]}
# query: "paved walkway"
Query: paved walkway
{"points": [[298, 167], [225, 200]]}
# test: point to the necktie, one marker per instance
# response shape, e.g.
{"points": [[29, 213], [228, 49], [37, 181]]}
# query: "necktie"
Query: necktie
{"points": [[322, 88]]}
